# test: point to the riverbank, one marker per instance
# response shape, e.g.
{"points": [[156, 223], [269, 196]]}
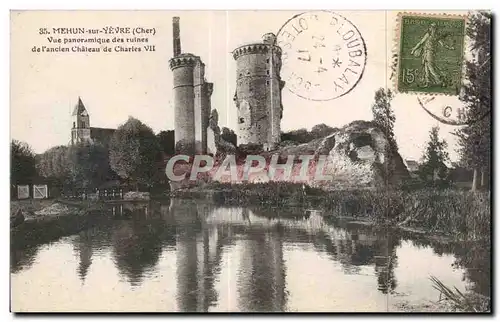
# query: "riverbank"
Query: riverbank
{"points": [[450, 212], [48, 220]]}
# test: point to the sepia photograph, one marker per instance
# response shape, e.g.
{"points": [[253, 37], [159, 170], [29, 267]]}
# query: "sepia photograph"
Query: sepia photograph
{"points": [[231, 161]]}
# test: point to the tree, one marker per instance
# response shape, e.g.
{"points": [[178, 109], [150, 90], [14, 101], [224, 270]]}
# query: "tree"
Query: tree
{"points": [[228, 135], [321, 130], [303, 136], [88, 165], [383, 115], [475, 137], [384, 118], [134, 152], [22, 163], [299, 136], [79, 166], [166, 140], [435, 156], [54, 166]]}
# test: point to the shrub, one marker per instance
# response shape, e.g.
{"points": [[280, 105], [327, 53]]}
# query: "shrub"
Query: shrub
{"points": [[460, 214]]}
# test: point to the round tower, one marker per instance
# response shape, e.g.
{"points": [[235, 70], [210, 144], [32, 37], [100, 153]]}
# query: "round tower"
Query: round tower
{"points": [[182, 67], [258, 92]]}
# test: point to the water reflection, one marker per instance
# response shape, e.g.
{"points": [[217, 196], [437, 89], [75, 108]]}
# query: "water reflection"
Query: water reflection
{"points": [[22, 257], [261, 273], [228, 258], [83, 248], [138, 242], [475, 257]]}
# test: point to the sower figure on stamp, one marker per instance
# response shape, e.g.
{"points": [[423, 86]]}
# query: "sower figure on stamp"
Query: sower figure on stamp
{"points": [[427, 47]]}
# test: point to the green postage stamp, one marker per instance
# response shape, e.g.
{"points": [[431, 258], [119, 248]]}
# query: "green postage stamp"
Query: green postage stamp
{"points": [[431, 53]]}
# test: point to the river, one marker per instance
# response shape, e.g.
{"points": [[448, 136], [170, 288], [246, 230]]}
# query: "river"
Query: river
{"points": [[189, 256]]}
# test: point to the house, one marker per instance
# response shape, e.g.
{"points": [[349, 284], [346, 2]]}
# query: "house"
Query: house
{"points": [[412, 165]]}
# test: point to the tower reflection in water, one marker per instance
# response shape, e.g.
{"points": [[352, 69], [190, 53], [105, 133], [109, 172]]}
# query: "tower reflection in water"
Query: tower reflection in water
{"points": [[200, 234], [254, 241]]}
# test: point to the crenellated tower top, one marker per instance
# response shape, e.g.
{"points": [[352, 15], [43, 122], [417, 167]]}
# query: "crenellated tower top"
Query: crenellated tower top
{"points": [[184, 60], [257, 48], [268, 42]]}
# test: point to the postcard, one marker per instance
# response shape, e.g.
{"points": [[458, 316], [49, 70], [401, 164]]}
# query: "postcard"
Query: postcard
{"points": [[250, 161]]}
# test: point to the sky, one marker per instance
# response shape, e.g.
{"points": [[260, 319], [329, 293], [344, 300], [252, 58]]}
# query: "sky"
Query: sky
{"points": [[113, 86]]}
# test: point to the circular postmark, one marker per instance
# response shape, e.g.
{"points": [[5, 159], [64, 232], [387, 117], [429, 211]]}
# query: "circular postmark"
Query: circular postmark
{"points": [[449, 111], [323, 55]]}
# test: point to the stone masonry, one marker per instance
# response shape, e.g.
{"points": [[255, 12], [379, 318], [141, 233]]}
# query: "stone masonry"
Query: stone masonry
{"points": [[191, 98], [258, 92]]}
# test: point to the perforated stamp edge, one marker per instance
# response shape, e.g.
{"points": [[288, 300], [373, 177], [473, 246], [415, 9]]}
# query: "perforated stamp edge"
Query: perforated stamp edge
{"points": [[395, 58]]}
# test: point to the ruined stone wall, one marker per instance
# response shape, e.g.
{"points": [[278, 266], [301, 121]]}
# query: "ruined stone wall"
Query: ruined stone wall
{"points": [[274, 101], [202, 106], [199, 78], [258, 94], [206, 109]]}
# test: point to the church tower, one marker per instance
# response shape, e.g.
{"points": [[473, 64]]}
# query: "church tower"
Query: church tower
{"points": [[80, 132]]}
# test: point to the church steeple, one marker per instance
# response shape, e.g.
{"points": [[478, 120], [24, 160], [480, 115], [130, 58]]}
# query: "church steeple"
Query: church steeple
{"points": [[79, 107], [80, 132]]}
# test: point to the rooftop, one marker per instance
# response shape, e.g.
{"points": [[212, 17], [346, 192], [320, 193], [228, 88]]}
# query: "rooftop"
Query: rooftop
{"points": [[79, 107]]}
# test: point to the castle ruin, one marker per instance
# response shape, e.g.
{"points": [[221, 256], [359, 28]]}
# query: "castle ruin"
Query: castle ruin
{"points": [[257, 99], [192, 95], [258, 92]]}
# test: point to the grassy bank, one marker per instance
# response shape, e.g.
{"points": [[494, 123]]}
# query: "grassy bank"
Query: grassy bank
{"points": [[46, 228], [461, 214], [29, 205]]}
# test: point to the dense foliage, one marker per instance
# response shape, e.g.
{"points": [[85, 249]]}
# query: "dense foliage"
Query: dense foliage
{"points": [[134, 153], [228, 135], [303, 135], [384, 118], [54, 164], [22, 163], [82, 166], [475, 137], [383, 115], [166, 140], [88, 165], [435, 156]]}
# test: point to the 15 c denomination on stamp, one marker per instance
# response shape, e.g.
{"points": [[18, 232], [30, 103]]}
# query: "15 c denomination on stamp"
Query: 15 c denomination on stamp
{"points": [[324, 55], [431, 53]]}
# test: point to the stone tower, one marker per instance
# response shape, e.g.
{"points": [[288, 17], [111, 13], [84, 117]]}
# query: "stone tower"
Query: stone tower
{"points": [[258, 92], [80, 132], [191, 98]]}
